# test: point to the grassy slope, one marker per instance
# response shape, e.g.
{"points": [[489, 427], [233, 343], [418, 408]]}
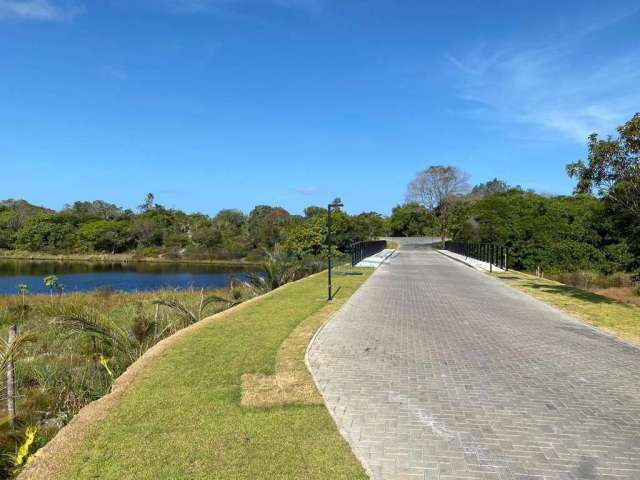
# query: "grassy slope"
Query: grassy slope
{"points": [[182, 419], [614, 317]]}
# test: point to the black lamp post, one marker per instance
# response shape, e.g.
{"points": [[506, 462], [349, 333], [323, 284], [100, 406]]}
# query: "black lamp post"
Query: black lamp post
{"points": [[491, 259], [334, 205]]}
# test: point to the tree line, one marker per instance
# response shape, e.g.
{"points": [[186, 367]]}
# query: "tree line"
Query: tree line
{"points": [[154, 230], [595, 228]]}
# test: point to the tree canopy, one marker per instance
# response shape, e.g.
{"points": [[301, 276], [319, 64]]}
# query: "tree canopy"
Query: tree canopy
{"points": [[102, 227], [436, 189]]}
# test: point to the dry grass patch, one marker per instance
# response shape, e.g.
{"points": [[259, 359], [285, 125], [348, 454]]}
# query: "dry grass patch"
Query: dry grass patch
{"points": [[621, 294], [292, 383]]}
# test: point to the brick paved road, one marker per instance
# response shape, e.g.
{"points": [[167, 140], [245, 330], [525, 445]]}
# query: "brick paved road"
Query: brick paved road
{"points": [[435, 371]]}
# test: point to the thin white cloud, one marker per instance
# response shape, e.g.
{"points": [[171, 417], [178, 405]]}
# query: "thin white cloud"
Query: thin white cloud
{"points": [[36, 10], [307, 191], [216, 6], [555, 85]]}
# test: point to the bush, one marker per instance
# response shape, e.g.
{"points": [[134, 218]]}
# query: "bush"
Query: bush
{"points": [[588, 279]]}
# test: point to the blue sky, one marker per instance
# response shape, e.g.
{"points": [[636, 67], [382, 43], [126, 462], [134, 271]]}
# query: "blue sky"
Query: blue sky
{"points": [[216, 104]]}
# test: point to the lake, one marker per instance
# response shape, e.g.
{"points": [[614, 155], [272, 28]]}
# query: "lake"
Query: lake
{"points": [[128, 277]]}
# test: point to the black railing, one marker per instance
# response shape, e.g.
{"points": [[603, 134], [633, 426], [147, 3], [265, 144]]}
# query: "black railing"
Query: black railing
{"points": [[491, 253], [361, 250]]}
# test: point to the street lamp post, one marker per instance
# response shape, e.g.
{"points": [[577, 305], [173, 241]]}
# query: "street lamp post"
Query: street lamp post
{"points": [[334, 205], [491, 254]]}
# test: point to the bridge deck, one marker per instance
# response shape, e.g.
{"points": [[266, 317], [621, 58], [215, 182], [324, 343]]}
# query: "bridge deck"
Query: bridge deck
{"points": [[436, 371]]}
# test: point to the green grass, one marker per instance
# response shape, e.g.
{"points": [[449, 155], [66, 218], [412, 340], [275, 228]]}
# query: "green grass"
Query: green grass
{"points": [[181, 418], [614, 317]]}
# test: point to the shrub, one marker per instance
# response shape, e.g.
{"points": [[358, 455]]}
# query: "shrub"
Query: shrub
{"points": [[587, 279]]}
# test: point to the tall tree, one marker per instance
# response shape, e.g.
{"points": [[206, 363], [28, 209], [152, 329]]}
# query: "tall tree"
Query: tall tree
{"points": [[612, 171], [611, 164], [149, 200], [488, 188], [435, 188], [313, 210]]}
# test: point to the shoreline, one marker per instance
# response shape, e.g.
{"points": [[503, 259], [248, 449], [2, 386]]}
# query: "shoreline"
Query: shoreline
{"points": [[116, 258]]}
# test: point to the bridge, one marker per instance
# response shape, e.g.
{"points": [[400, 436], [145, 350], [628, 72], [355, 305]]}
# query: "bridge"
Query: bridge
{"points": [[434, 370]]}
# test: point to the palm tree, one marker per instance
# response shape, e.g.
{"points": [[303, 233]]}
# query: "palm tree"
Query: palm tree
{"points": [[13, 345], [193, 315], [52, 282], [9, 350], [23, 289], [277, 270]]}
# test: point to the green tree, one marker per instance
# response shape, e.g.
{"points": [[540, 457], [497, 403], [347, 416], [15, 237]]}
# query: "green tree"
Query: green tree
{"points": [[612, 171], [52, 232], [111, 236], [309, 236], [369, 225], [557, 233], [313, 210], [95, 210], [489, 188], [410, 220], [231, 224], [266, 226]]}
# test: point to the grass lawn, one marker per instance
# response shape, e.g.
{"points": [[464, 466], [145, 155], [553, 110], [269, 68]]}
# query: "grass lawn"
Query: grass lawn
{"points": [[614, 317], [181, 417]]}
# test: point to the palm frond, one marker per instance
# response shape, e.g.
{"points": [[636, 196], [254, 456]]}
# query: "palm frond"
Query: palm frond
{"points": [[90, 322], [178, 307], [10, 351], [213, 299]]}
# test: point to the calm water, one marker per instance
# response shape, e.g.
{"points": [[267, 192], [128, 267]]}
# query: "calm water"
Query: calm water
{"points": [[82, 277]]}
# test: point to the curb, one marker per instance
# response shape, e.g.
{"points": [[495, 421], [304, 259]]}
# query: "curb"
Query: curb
{"points": [[345, 435]]}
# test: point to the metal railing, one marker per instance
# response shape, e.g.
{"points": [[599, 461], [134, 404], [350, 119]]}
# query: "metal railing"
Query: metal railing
{"points": [[491, 253], [362, 250]]}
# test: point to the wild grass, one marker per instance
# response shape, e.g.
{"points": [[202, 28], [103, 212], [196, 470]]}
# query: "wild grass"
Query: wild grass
{"points": [[589, 280], [182, 417], [619, 286], [71, 347]]}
